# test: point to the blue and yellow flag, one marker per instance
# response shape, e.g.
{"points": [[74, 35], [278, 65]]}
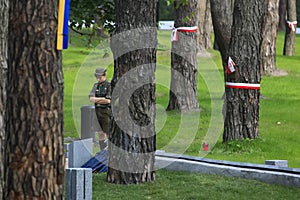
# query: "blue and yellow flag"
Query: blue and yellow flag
{"points": [[63, 18]]}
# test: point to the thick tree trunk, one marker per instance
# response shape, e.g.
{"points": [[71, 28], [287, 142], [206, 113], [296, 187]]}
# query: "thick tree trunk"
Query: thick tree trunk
{"points": [[4, 6], [241, 104], [183, 90], [290, 35], [268, 48], [132, 136], [204, 26], [222, 20], [282, 15], [34, 156]]}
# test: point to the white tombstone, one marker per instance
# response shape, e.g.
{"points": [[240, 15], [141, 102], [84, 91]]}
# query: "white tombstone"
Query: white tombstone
{"points": [[80, 152]]}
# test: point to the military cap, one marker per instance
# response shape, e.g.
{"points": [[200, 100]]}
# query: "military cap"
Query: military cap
{"points": [[100, 71]]}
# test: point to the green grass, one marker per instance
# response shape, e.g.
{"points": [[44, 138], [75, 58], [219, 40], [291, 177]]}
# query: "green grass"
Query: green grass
{"points": [[183, 185], [279, 124], [279, 117]]}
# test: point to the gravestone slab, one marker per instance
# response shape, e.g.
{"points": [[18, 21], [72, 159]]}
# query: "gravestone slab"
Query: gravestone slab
{"points": [[79, 184], [80, 152]]}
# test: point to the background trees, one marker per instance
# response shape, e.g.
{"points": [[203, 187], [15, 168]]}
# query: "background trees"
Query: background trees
{"points": [[41, 77], [92, 13], [34, 156], [282, 15], [204, 25], [166, 10], [268, 47]]}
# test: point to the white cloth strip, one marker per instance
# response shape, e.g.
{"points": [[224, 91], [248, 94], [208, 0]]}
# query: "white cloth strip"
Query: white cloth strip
{"points": [[252, 86], [174, 36], [292, 25]]}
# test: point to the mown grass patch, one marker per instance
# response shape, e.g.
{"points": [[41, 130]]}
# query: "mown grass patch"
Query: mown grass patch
{"points": [[280, 107], [184, 185]]}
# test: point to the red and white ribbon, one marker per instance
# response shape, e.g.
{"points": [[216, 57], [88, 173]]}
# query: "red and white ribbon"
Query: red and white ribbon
{"points": [[230, 66], [292, 25], [247, 86], [174, 36]]}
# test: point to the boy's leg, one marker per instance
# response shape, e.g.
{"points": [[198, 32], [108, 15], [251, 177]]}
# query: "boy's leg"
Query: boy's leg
{"points": [[102, 142], [105, 124], [103, 116]]}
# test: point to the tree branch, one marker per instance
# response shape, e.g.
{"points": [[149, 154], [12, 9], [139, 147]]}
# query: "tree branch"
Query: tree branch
{"points": [[80, 33]]}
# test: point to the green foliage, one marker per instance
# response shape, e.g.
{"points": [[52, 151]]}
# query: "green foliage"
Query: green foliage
{"points": [[247, 146], [184, 2], [166, 10], [187, 19], [83, 13]]}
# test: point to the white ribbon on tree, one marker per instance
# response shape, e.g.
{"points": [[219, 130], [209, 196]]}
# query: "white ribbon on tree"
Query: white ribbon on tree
{"points": [[247, 86], [174, 36], [292, 25]]}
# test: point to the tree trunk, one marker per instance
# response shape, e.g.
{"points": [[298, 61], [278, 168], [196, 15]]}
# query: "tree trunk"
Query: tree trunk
{"points": [[242, 104], [201, 22], [4, 8], [290, 35], [34, 156], [183, 89], [207, 27], [132, 135], [268, 49], [221, 11], [282, 15], [204, 26]]}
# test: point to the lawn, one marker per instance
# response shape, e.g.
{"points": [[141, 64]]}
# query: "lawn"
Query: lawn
{"points": [[172, 185], [180, 133], [279, 117]]}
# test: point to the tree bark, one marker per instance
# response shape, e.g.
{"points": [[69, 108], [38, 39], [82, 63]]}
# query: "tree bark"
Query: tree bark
{"points": [[4, 8], [290, 35], [207, 27], [242, 105], [204, 26], [34, 156], [282, 15], [222, 20], [268, 50], [201, 21], [132, 138], [183, 89]]}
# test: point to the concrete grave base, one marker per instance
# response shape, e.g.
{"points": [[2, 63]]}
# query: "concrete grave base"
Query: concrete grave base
{"points": [[279, 163], [265, 173]]}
